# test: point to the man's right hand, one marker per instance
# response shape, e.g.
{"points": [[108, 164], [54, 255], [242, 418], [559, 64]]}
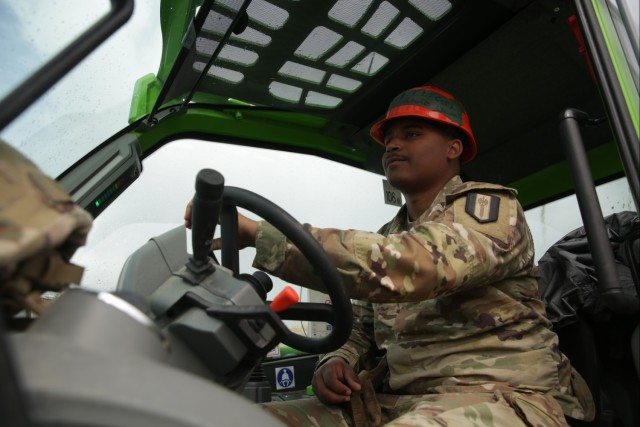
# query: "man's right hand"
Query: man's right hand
{"points": [[335, 381], [247, 230]]}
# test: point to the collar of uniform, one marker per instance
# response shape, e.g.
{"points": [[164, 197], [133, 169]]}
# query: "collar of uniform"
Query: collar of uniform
{"points": [[439, 203], [401, 223], [398, 223]]}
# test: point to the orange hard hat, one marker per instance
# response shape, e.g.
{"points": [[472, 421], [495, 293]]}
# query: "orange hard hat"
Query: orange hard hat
{"points": [[434, 104]]}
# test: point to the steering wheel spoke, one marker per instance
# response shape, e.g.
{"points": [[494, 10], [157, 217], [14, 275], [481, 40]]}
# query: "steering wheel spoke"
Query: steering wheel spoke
{"points": [[229, 223]]}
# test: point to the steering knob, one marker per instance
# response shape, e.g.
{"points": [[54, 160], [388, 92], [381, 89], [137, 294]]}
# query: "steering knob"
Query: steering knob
{"points": [[205, 211], [209, 184]]}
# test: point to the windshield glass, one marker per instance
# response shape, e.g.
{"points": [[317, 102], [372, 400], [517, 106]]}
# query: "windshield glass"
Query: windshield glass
{"points": [[328, 194], [34, 31], [92, 102]]}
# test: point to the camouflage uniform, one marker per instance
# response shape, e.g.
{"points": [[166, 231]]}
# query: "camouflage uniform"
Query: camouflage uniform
{"points": [[40, 229], [453, 301]]}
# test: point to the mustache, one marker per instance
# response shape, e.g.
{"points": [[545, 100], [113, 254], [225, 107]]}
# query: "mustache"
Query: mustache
{"points": [[394, 157]]}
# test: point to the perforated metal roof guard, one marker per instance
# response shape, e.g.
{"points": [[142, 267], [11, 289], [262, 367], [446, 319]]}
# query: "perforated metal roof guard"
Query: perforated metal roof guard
{"points": [[285, 60]]}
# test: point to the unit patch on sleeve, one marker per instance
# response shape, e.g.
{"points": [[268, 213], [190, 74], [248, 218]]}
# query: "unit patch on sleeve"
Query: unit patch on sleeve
{"points": [[482, 207]]}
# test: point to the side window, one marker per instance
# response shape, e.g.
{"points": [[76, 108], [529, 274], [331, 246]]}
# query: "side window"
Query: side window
{"points": [[624, 14], [550, 222]]}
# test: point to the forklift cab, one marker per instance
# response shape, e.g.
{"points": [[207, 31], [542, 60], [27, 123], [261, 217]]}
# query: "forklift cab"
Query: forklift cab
{"points": [[163, 332]]}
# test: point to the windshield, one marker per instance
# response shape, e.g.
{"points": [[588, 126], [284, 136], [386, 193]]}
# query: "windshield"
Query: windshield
{"points": [[92, 102], [328, 194]]}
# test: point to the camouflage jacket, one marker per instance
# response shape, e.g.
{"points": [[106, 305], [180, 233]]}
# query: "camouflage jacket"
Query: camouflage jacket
{"points": [[452, 298], [40, 229]]}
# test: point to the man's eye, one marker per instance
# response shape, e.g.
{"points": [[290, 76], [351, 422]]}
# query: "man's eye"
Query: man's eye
{"points": [[410, 135]]}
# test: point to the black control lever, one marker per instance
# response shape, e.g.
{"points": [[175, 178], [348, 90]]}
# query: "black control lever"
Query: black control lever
{"points": [[205, 211]]}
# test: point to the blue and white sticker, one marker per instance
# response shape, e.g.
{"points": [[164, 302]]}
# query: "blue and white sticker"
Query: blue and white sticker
{"points": [[285, 378]]}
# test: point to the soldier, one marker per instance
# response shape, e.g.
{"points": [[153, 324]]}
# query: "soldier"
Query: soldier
{"points": [[447, 290]]}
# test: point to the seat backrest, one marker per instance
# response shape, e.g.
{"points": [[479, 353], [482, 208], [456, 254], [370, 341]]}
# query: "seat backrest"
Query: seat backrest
{"points": [[596, 337], [154, 262], [578, 344]]}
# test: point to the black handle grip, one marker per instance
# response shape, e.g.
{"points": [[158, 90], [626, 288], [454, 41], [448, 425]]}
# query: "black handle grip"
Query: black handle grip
{"points": [[205, 211]]}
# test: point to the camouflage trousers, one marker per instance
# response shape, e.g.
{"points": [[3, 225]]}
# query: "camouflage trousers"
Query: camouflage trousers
{"points": [[495, 408]]}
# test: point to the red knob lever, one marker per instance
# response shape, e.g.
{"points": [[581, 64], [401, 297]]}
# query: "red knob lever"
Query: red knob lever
{"points": [[284, 300]]}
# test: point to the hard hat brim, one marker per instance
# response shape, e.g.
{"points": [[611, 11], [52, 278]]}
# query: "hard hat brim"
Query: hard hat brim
{"points": [[421, 112]]}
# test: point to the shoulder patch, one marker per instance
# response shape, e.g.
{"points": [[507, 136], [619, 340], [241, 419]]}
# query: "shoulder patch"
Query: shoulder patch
{"points": [[482, 207]]}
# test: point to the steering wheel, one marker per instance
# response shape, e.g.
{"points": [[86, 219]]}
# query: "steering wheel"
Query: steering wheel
{"points": [[339, 313]]}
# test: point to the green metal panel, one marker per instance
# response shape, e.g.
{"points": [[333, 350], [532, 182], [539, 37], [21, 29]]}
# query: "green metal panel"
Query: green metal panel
{"points": [[175, 17], [145, 93], [625, 78], [289, 129]]}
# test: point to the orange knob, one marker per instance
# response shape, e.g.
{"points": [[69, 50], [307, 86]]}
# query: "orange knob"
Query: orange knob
{"points": [[284, 299]]}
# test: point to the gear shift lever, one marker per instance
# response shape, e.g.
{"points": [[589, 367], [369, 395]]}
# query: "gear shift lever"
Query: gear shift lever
{"points": [[207, 203]]}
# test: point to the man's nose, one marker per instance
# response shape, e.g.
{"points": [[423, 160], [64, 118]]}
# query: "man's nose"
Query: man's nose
{"points": [[392, 144]]}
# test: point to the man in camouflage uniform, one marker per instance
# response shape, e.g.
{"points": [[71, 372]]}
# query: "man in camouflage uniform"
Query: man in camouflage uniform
{"points": [[449, 291]]}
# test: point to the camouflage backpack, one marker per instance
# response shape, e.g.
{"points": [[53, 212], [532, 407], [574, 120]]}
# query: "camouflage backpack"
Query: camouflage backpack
{"points": [[40, 229]]}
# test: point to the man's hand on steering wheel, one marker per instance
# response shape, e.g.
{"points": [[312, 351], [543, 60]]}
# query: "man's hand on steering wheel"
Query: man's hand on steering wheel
{"points": [[238, 231], [247, 229]]}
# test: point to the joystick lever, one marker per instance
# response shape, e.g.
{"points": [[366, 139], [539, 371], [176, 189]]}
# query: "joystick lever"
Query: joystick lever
{"points": [[205, 211]]}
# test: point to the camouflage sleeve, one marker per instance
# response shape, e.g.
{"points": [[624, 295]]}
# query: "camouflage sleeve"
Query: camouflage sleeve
{"points": [[360, 349], [432, 259], [40, 229]]}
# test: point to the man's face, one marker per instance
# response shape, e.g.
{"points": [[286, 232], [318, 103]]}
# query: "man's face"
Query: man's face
{"points": [[417, 156]]}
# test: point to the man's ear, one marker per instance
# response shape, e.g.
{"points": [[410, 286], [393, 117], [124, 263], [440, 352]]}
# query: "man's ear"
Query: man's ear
{"points": [[455, 149]]}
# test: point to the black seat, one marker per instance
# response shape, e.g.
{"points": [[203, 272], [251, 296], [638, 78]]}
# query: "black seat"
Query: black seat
{"points": [[578, 344], [597, 333], [601, 352]]}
